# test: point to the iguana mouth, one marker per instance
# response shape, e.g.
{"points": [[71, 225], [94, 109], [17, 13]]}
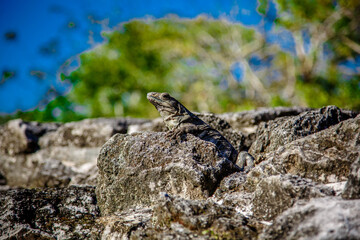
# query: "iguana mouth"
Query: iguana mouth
{"points": [[155, 100], [152, 98]]}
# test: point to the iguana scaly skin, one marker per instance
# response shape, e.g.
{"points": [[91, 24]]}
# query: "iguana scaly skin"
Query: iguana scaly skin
{"points": [[180, 120]]}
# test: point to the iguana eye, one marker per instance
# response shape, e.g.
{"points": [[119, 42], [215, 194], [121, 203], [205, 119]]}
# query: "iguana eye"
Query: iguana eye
{"points": [[165, 95]]}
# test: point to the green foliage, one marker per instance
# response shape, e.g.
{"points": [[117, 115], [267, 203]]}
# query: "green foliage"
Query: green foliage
{"points": [[58, 110], [335, 23], [6, 75], [193, 61], [189, 59], [300, 12], [279, 101], [334, 38], [346, 95], [263, 6]]}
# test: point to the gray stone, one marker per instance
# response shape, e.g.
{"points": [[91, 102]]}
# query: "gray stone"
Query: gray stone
{"points": [[201, 219], [275, 194], [324, 157], [338, 187], [305, 157], [33, 171], [86, 177], [178, 218], [51, 154], [18, 136], [133, 169], [51, 167], [320, 218], [232, 192], [233, 182], [155, 125], [67, 213], [247, 121], [87, 133], [125, 224], [275, 134], [352, 187], [245, 160]]}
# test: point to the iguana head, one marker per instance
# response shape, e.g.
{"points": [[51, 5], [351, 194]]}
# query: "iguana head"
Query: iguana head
{"points": [[169, 108]]}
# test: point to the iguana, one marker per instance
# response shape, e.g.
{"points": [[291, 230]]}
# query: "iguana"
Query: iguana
{"points": [[180, 120]]}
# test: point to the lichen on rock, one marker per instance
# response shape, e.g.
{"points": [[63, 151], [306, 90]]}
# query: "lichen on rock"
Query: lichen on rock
{"points": [[134, 169], [299, 180]]}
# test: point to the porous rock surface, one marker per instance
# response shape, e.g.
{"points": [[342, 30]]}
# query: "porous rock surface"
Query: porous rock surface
{"points": [[17, 136], [179, 218], [67, 213], [54, 155], [324, 157], [352, 187], [88, 132], [35, 170], [190, 169], [297, 178], [247, 121], [275, 194], [270, 136], [321, 218]]}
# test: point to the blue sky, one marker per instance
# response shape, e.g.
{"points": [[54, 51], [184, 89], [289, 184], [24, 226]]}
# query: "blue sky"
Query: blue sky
{"points": [[38, 36]]}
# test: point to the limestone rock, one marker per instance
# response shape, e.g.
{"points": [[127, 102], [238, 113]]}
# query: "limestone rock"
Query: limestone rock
{"points": [[245, 161], [232, 192], [247, 121], [232, 182], [86, 177], [199, 218], [301, 158], [51, 167], [275, 134], [275, 194], [155, 125], [338, 187], [33, 171], [55, 155], [133, 169], [123, 225], [320, 218], [87, 133], [352, 187], [18, 136], [67, 213], [178, 218], [324, 157]]}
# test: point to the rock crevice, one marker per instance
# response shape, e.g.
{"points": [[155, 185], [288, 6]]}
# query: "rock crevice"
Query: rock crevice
{"points": [[297, 177]]}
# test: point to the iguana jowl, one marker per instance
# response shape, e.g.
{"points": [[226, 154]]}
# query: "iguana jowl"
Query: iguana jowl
{"points": [[180, 120]]}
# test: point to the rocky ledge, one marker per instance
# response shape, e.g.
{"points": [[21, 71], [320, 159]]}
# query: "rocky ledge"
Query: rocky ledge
{"points": [[297, 177]]}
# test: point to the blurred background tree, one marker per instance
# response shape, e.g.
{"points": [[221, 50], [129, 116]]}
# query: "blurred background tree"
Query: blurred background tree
{"points": [[191, 59], [325, 66], [219, 66]]}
